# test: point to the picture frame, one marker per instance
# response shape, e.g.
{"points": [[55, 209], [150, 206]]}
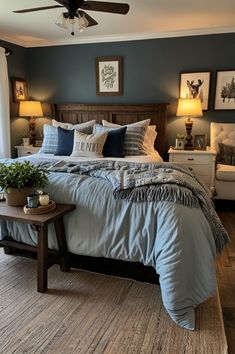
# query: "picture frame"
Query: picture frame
{"points": [[200, 142], [179, 144], [196, 85], [225, 90], [38, 143], [109, 76], [20, 90]]}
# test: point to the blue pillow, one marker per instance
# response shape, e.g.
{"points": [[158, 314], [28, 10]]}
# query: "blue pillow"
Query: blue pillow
{"points": [[114, 144], [65, 142]]}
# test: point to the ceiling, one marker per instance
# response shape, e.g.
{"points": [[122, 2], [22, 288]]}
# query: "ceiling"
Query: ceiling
{"points": [[146, 19]]}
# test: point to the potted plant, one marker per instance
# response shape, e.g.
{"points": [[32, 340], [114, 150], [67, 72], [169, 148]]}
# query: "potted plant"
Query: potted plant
{"points": [[21, 179]]}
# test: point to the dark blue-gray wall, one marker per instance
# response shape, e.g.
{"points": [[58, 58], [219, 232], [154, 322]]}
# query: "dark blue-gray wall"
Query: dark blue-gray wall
{"points": [[63, 74]]}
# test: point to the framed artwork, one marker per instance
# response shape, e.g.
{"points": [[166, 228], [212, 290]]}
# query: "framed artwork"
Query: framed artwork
{"points": [[38, 143], [196, 85], [225, 90], [109, 76], [179, 144], [20, 90], [200, 142]]}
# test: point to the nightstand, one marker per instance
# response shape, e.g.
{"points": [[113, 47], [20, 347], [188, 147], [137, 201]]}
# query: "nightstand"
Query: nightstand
{"points": [[200, 162], [26, 150]]}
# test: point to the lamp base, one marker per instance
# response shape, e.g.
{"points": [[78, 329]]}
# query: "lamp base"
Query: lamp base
{"points": [[188, 146], [32, 137], [189, 138], [32, 133]]}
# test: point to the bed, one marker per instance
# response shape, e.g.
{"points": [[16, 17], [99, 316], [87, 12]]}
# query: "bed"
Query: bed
{"points": [[134, 210]]}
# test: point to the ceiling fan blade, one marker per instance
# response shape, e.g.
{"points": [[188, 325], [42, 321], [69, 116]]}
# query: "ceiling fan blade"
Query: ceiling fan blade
{"points": [[63, 2], [117, 8], [37, 9], [91, 20]]}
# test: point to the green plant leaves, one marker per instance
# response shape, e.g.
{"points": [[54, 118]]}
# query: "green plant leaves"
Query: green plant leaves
{"points": [[20, 175]]}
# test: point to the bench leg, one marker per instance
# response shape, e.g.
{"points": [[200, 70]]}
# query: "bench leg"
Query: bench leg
{"points": [[42, 256], [62, 245]]}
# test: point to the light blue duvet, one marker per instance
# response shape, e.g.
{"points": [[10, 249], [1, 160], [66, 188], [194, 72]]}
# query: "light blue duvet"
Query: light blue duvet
{"points": [[175, 239]]}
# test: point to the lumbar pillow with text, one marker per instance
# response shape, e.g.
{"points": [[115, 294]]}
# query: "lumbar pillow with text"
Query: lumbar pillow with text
{"points": [[88, 145]]}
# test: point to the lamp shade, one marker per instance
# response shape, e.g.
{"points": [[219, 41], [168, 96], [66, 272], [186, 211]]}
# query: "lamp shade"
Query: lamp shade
{"points": [[189, 107], [30, 109]]}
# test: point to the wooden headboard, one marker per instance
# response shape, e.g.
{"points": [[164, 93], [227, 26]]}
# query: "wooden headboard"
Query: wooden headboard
{"points": [[119, 114]]}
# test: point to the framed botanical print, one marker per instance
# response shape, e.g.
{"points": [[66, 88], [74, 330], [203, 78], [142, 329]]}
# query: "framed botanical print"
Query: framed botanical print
{"points": [[109, 76], [20, 90], [195, 85], [225, 90]]}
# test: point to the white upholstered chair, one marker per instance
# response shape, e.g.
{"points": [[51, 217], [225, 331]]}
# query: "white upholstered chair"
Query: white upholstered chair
{"points": [[224, 174]]}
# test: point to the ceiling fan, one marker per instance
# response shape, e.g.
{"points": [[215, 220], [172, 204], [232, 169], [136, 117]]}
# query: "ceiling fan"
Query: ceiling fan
{"points": [[75, 11]]}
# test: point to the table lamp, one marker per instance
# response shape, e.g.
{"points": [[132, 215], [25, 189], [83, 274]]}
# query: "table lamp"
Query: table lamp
{"points": [[189, 107], [31, 109]]}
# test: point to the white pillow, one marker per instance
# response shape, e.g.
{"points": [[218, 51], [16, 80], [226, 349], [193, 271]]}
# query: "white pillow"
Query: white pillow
{"points": [[140, 123], [149, 139], [88, 145], [57, 124], [86, 127], [150, 135]]}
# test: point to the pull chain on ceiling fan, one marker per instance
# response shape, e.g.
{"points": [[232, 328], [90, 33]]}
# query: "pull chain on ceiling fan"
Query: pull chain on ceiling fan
{"points": [[75, 14]]}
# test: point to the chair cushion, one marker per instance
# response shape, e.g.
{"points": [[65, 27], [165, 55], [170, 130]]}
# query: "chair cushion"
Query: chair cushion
{"points": [[225, 173]]}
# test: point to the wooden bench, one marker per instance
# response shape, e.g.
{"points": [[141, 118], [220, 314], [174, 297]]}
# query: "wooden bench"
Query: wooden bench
{"points": [[40, 222]]}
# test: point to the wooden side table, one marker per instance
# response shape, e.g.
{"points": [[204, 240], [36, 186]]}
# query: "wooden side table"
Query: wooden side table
{"points": [[40, 222], [26, 150]]}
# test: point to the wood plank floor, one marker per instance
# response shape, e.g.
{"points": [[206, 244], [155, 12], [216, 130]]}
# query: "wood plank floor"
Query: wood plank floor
{"points": [[226, 275]]}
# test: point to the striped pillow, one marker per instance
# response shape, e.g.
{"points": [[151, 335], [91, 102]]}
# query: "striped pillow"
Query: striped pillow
{"points": [[50, 139], [50, 134], [134, 138]]}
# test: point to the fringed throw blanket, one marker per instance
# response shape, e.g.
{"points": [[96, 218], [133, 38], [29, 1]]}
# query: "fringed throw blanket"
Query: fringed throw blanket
{"points": [[141, 182]]}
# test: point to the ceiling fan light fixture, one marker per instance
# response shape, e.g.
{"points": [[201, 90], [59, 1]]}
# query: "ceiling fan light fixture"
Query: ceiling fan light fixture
{"points": [[79, 20], [62, 22], [75, 16], [82, 21]]}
